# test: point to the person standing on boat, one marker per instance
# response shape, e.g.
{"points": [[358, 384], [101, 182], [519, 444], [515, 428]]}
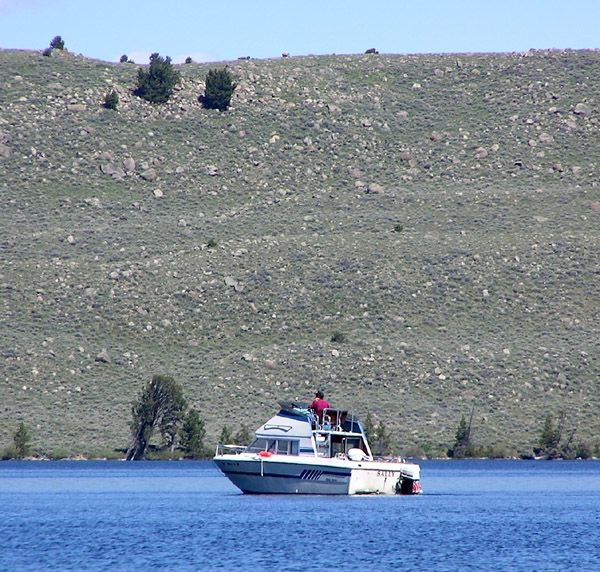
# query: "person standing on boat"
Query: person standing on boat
{"points": [[319, 404]]}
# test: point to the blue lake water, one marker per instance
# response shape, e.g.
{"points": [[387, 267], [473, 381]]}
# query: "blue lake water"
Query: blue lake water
{"points": [[473, 515]]}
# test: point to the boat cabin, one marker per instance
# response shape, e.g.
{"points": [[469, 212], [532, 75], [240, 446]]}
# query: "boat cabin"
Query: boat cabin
{"points": [[296, 430]]}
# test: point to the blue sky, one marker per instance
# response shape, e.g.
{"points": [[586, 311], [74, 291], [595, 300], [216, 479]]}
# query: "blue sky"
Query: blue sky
{"points": [[225, 30]]}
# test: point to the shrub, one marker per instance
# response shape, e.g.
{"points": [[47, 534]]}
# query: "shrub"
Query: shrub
{"points": [[188, 60], [338, 337], [156, 84], [47, 52], [8, 453], [212, 243], [124, 59], [226, 437], [243, 436], [381, 442], [399, 227], [58, 454], [219, 88], [111, 100], [57, 43]]}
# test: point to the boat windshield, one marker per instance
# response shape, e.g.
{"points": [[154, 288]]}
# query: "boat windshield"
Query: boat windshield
{"points": [[275, 446]]}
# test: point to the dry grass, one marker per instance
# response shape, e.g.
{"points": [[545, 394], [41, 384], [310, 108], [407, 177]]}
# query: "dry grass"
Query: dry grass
{"points": [[487, 295]]}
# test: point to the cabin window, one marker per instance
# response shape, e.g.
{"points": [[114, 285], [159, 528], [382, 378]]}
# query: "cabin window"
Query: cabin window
{"points": [[287, 447], [257, 445]]}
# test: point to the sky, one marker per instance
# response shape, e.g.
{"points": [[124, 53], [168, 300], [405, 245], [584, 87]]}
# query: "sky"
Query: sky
{"points": [[226, 30]]}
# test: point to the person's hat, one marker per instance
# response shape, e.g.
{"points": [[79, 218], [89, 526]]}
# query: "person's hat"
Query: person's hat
{"points": [[319, 394]]}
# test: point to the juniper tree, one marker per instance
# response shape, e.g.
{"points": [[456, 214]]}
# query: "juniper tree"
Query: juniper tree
{"points": [[219, 88], [156, 84], [111, 100], [57, 43], [160, 405]]}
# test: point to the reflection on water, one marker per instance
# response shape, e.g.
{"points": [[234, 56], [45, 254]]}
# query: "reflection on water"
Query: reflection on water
{"points": [[474, 515]]}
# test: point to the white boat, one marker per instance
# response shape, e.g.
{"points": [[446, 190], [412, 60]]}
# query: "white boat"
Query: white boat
{"points": [[298, 452]]}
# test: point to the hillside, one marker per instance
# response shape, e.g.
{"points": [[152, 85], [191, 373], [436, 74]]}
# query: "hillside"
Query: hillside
{"points": [[441, 212]]}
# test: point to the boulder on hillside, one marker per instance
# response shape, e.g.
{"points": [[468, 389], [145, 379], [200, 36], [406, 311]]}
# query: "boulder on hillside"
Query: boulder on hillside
{"points": [[582, 109], [129, 164], [149, 174], [5, 151], [374, 189], [113, 170], [103, 356]]}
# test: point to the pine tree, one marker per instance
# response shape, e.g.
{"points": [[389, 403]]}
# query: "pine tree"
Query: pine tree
{"points": [[192, 434], [549, 440], [219, 88], [21, 439], [156, 84], [369, 426], [461, 439]]}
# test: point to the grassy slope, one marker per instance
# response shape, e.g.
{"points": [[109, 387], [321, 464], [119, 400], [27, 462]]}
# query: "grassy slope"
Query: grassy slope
{"points": [[487, 296]]}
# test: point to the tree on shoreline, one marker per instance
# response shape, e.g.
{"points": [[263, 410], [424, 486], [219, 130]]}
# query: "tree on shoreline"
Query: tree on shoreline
{"points": [[21, 438], [160, 405], [462, 441], [192, 434]]}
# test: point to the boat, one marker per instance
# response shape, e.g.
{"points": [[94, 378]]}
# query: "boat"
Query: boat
{"points": [[300, 452]]}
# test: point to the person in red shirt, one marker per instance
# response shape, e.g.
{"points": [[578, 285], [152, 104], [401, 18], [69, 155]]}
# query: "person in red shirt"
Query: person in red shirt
{"points": [[319, 404]]}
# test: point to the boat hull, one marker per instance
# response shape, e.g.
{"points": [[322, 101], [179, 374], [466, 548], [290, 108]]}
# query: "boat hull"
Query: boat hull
{"points": [[279, 474]]}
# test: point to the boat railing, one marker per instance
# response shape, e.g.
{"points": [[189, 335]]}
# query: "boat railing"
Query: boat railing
{"points": [[223, 449]]}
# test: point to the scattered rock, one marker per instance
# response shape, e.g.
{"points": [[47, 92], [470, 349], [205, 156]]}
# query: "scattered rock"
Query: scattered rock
{"points": [[129, 164], [158, 194], [582, 109], [149, 174], [5, 151], [103, 357], [76, 107], [233, 283], [113, 170], [375, 189]]}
